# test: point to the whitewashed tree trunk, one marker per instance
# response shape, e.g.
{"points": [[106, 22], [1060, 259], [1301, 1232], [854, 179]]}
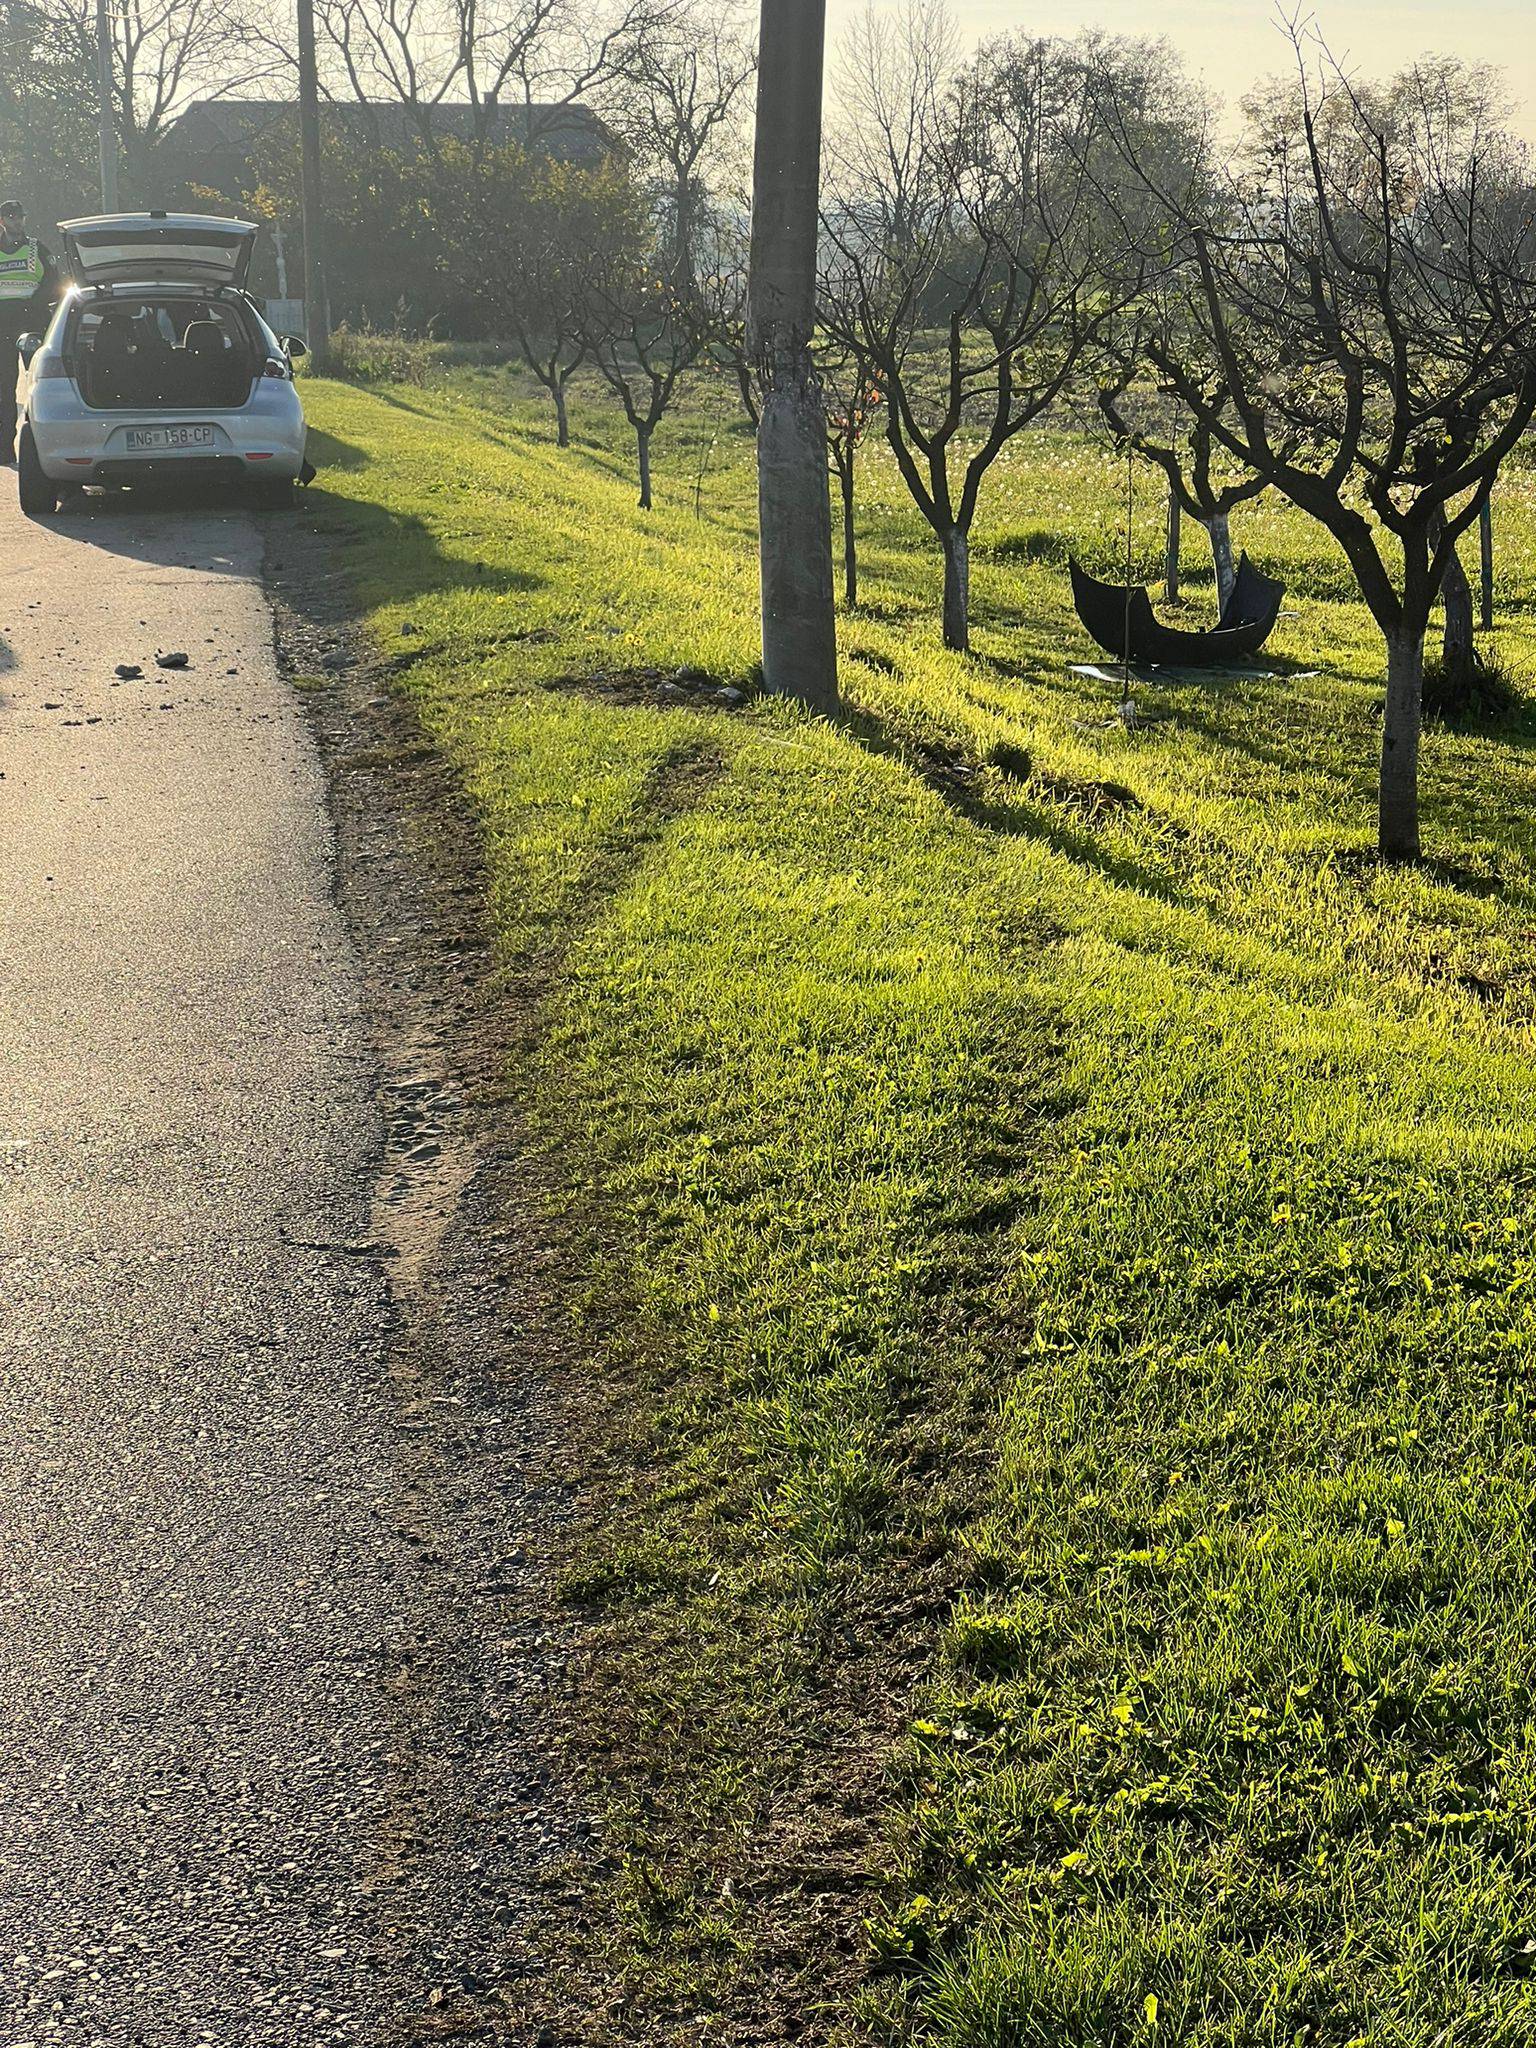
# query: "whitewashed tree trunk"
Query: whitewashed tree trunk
{"points": [[1219, 530]]}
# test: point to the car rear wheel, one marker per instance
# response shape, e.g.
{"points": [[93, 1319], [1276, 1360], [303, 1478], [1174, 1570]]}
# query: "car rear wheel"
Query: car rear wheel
{"points": [[38, 493]]}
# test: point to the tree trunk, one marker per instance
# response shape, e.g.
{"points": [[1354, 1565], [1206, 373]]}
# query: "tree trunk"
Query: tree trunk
{"points": [[1171, 553], [957, 590], [643, 451], [1485, 553], [850, 536], [1398, 818], [682, 244], [1457, 592], [748, 392], [1219, 533], [794, 504], [562, 421]]}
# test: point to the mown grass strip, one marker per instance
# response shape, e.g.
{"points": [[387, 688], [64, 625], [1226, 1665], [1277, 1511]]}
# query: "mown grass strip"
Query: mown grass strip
{"points": [[1083, 1248]]}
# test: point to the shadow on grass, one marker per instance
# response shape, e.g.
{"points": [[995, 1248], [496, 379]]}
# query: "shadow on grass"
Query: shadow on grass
{"points": [[399, 553], [327, 451], [945, 774], [677, 784], [390, 394]]}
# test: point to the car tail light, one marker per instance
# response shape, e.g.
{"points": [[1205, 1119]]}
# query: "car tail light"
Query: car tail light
{"points": [[276, 367]]}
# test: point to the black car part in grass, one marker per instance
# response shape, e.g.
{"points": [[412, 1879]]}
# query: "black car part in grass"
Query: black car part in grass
{"points": [[1121, 619]]}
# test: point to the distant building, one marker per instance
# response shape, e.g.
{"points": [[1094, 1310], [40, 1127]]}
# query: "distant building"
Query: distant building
{"points": [[219, 151], [218, 144]]}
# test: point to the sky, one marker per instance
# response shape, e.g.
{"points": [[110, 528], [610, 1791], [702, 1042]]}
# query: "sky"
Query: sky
{"points": [[1232, 43]]}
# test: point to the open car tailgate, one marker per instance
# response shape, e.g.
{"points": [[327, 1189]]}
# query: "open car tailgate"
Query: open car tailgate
{"points": [[159, 248]]}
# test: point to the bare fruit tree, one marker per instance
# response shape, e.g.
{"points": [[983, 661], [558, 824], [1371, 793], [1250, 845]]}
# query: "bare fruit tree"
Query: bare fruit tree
{"points": [[1357, 328], [1202, 481], [722, 282], [677, 103], [679, 109], [535, 58], [853, 397], [967, 261], [642, 336], [524, 234], [164, 54]]}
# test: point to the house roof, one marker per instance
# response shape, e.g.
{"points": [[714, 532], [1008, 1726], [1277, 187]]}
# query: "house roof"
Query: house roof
{"points": [[219, 127]]}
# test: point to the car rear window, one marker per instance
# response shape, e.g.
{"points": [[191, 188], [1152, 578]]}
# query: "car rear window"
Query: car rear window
{"points": [[148, 349]]}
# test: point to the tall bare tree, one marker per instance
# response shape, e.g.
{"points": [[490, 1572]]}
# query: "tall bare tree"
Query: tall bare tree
{"points": [[676, 104], [1358, 330], [164, 54], [968, 261], [46, 115], [540, 57]]}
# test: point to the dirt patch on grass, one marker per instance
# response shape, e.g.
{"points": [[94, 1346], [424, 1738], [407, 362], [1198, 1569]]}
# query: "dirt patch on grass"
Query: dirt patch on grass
{"points": [[660, 689]]}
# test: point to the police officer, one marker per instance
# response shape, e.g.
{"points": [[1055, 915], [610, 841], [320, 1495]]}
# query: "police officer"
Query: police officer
{"points": [[29, 285]]}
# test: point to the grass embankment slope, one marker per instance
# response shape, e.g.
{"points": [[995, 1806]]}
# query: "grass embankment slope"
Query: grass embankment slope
{"points": [[1062, 1271]]}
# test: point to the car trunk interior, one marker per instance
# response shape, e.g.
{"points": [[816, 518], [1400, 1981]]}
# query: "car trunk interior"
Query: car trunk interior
{"points": [[136, 352]]}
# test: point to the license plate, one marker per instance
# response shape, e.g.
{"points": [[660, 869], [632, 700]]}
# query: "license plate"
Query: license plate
{"points": [[142, 438]]}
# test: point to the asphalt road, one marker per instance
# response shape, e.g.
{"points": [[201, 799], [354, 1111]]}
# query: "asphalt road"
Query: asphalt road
{"points": [[203, 1580]]}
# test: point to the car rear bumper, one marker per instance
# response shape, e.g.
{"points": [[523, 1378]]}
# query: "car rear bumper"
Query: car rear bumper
{"points": [[170, 469], [282, 466], [263, 440]]}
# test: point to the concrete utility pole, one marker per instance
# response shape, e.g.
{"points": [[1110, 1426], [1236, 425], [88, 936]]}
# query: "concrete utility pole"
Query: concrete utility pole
{"points": [[105, 124], [317, 310], [793, 496]]}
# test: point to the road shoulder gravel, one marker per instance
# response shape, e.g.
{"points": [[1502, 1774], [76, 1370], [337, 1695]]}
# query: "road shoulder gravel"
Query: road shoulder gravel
{"points": [[489, 1851]]}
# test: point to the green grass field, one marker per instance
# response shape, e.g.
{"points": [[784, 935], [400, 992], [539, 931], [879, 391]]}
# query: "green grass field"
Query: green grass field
{"points": [[1092, 1220]]}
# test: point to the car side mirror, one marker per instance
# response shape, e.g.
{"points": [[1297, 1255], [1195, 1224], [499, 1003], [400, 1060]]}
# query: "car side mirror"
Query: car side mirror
{"points": [[27, 346], [296, 346]]}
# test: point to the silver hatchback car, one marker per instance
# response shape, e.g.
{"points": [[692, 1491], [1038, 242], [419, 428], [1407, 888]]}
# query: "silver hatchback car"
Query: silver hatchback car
{"points": [[157, 366]]}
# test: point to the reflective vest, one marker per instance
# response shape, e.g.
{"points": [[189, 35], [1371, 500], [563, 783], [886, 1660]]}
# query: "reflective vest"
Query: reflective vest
{"points": [[21, 271]]}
